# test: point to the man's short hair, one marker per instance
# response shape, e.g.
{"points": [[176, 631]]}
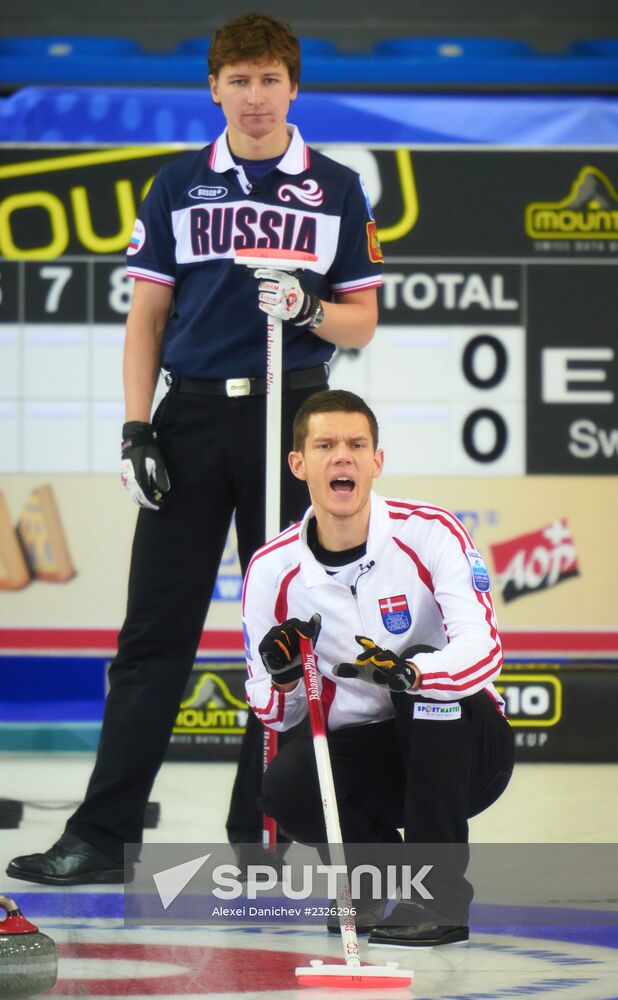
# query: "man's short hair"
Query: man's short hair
{"points": [[255, 38], [331, 401]]}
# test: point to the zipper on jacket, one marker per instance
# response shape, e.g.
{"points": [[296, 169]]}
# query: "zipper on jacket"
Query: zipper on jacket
{"points": [[354, 586]]}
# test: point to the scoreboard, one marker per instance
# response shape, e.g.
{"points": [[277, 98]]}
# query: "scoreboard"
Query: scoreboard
{"points": [[496, 350], [482, 368]]}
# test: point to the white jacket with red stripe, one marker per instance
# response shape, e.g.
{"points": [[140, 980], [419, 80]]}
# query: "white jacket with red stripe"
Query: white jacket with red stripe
{"points": [[420, 582]]}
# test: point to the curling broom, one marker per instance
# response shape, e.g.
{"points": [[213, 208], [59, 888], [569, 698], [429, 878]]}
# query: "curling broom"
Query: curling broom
{"points": [[352, 975]]}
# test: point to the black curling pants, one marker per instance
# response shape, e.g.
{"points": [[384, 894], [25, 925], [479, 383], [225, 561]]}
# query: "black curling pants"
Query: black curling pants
{"points": [[427, 776], [214, 449]]}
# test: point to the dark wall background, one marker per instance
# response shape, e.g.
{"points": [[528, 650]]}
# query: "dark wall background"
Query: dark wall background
{"points": [[548, 25]]}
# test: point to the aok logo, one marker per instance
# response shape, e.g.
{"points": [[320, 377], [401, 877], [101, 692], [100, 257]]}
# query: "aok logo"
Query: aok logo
{"points": [[536, 561], [210, 707], [589, 210]]}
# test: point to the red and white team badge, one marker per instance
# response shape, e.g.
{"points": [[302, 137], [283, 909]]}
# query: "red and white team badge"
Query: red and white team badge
{"points": [[395, 613]]}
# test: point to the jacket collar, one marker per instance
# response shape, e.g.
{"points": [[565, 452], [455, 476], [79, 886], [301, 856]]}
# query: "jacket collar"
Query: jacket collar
{"points": [[295, 160], [379, 530]]}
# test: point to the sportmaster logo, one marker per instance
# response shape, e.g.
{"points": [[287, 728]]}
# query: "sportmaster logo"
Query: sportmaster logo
{"points": [[590, 209], [436, 713], [309, 193], [204, 193]]}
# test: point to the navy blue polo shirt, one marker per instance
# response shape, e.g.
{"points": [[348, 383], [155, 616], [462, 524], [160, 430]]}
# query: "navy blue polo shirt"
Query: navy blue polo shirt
{"points": [[201, 208]]}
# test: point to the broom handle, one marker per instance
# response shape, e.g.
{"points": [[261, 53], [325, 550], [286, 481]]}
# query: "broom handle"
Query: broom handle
{"points": [[269, 825], [274, 387], [347, 925]]}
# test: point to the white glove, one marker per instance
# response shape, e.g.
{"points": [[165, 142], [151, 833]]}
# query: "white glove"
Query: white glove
{"points": [[282, 296]]}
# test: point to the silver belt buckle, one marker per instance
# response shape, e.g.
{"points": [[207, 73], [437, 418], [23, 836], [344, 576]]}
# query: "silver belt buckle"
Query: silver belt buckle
{"points": [[238, 387]]}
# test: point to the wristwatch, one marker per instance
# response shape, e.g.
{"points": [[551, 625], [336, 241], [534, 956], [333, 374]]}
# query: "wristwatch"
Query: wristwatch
{"points": [[318, 317]]}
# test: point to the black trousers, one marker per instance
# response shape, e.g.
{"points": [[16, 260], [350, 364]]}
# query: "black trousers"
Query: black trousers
{"points": [[214, 449], [428, 777]]}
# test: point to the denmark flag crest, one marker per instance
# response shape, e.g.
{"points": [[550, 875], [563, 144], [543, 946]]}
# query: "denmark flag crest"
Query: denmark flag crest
{"points": [[395, 613]]}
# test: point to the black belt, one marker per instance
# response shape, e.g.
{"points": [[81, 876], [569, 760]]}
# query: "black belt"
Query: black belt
{"points": [[302, 379]]}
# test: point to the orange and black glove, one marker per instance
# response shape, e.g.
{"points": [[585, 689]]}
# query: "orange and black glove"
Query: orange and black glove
{"points": [[280, 648], [380, 666]]}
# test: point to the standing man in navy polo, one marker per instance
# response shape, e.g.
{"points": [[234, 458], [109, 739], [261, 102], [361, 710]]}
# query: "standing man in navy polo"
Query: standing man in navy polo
{"points": [[201, 457]]}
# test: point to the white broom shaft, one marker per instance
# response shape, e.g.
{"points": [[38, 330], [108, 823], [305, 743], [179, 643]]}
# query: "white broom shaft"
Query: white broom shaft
{"points": [[274, 386], [329, 802], [326, 781], [269, 825], [274, 383], [286, 261]]}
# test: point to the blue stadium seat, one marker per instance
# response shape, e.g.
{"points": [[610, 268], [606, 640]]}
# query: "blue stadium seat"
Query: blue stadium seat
{"points": [[192, 47], [308, 47], [605, 48], [318, 47], [446, 48], [62, 46], [407, 62]]}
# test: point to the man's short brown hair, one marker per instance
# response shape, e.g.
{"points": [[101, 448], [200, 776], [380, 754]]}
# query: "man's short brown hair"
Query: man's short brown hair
{"points": [[331, 401], [255, 38]]}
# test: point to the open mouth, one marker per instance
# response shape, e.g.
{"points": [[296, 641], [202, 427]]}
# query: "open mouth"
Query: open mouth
{"points": [[342, 484]]}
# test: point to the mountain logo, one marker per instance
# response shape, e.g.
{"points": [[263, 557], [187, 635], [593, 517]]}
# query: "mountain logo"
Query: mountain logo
{"points": [[209, 707], [589, 210]]}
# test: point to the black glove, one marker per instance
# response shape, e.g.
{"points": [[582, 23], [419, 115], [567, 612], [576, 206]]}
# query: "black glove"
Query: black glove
{"points": [[379, 666], [282, 296], [143, 470], [280, 648]]}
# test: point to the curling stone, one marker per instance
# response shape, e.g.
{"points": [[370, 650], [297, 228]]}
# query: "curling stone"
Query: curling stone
{"points": [[28, 963]]}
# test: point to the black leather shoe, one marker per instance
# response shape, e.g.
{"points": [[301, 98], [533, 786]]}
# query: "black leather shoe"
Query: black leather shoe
{"points": [[368, 914], [71, 861], [419, 935]]}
